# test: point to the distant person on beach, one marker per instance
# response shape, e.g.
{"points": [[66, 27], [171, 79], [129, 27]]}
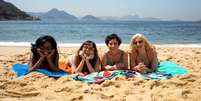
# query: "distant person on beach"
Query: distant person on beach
{"points": [[114, 58], [86, 60], [142, 54], [44, 54]]}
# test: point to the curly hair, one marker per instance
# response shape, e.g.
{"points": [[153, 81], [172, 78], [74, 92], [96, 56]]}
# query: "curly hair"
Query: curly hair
{"points": [[111, 37]]}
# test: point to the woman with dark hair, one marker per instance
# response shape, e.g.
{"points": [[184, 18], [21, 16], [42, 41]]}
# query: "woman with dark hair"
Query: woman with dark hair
{"points": [[44, 54], [86, 60], [114, 58]]}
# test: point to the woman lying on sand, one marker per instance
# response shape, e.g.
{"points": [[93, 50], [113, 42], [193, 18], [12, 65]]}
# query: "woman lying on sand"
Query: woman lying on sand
{"points": [[44, 54], [86, 60], [143, 55], [114, 58]]}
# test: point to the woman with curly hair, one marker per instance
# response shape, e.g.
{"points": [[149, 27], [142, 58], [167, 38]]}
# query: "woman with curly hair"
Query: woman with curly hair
{"points": [[114, 58]]}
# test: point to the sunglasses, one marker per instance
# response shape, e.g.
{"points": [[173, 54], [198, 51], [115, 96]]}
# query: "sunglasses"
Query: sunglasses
{"points": [[138, 42]]}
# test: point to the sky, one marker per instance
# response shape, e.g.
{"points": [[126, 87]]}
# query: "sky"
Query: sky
{"points": [[188, 10]]}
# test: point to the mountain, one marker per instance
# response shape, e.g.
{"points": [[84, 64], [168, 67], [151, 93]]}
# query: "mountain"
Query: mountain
{"points": [[109, 18], [130, 18], [35, 14], [138, 18], [89, 18], [150, 19], [56, 14], [9, 11]]}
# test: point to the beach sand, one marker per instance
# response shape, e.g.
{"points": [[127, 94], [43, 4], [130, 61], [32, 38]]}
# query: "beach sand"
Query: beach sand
{"points": [[34, 87]]}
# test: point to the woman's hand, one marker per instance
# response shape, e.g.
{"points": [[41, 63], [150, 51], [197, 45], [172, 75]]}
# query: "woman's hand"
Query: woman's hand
{"points": [[120, 66], [81, 53], [90, 57], [140, 67], [40, 52], [49, 56]]}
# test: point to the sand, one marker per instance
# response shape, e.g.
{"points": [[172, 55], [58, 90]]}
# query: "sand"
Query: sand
{"points": [[35, 87]]}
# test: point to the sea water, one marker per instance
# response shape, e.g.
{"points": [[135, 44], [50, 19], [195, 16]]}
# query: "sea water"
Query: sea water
{"points": [[22, 33]]}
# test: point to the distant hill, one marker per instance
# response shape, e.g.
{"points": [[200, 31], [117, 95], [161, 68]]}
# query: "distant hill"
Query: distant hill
{"points": [[130, 18], [36, 14], [10, 12], [150, 19], [138, 18], [109, 18], [55, 14], [89, 18]]}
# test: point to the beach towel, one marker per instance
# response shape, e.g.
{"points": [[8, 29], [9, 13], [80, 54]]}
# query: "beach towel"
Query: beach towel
{"points": [[165, 70], [172, 68], [156, 75], [102, 75], [22, 69]]}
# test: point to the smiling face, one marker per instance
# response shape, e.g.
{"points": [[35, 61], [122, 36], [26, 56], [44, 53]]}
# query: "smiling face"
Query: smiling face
{"points": [[46, 48], [88, 49], [138, 42], [113, 45]]}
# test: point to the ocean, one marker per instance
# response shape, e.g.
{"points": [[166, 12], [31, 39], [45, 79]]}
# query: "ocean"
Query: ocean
{"points": [[22, 33]]}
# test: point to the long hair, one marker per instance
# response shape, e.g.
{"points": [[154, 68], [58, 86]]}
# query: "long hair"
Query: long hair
{"points": [[149, 48], [38, 43], [92, 61]]}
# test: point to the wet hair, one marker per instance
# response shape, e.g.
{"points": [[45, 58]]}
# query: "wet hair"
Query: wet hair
{"points": [[92, 61], [111, 37], [40, 42]]}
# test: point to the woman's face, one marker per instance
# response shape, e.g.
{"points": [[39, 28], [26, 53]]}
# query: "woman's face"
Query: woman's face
{"points": [[46, 48], [138, 42], [88, 49], [113, 45]]}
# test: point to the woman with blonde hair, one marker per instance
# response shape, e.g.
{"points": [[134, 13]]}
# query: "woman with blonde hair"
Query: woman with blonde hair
{"points": [[143, 56]]}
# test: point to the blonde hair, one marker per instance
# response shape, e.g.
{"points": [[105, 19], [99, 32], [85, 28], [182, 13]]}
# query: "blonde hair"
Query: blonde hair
{"points": [[149, 48], [147, 45]]}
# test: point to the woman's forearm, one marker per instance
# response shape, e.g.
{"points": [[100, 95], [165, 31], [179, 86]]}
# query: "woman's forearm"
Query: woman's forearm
{"points": [[80, 67], [53, 66], [90, 68], [37, 64]]}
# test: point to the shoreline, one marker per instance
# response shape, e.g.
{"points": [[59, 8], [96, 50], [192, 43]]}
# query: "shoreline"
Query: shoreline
{"points": [[69, 45]]}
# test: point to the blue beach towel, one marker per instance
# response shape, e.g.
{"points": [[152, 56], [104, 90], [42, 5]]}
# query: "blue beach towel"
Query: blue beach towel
{"points": [[165, 70], [22, 69], [172, 68]]}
